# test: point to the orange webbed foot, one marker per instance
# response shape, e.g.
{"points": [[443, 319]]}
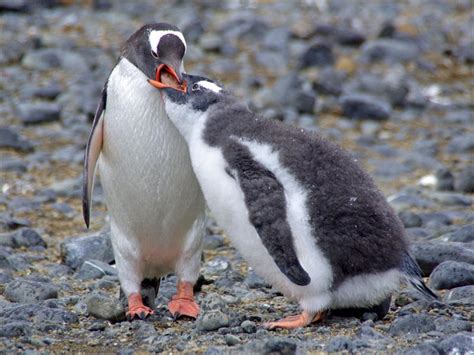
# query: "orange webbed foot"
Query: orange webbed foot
{"points": [[182, 304], [293, 322], [136, 308]]}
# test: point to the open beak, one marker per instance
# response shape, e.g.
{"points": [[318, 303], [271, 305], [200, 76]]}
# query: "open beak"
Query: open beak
{"points": [[166, 77]]}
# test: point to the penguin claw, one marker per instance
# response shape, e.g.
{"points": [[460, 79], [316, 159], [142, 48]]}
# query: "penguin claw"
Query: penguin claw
{"points": [[182, 304], [180, 308], [136, 308]]}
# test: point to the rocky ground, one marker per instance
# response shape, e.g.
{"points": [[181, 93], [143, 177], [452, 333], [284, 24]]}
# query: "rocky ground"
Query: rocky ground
{"points": [[390, 81]]}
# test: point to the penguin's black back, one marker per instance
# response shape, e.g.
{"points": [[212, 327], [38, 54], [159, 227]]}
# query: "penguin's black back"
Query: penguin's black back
{"points": [[353, 224]]}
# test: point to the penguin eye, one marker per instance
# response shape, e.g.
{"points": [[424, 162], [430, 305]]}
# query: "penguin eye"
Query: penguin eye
{"points": [[196, 87], [154, 54]]}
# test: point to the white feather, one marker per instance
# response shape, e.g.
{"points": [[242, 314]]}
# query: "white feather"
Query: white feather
{"points": [[154, 200], [155, 36]]}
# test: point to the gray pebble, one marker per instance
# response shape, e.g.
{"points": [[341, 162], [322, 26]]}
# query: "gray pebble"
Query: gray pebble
{"points": [[462, 294], [465, 234], [231, 339], [13, 164], [11, 139], [15, 329], [452, 326], [94, 269], [280, 346], [414, 324], [410, 219], [248, 327], [53, 58], [363, 106], [35, 113], [422, 349], [213, 241], [444, 180], [319, 55], [253, 280], [103, 307], [75, 250], [26, 291], [430, 255], [27, 237], [463, 143], [456, 344], [450, 274], [389, 50], [338, 344], [213, 320], [465, 180]]}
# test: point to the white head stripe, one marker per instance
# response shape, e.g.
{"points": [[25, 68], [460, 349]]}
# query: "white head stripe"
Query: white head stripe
{"points": [[155, 37], [210, 86]]}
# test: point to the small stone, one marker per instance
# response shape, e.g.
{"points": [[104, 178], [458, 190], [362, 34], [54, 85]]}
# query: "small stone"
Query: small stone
{"points": [[254, 281], [231, 339], [465, 234], [414, 324], [55, 315], [329, 82], [410, 219], [283, 346], [460, 294], [303, 101], [14, 6], [362, 106], [430, 255], [463, 143], [103, 307], [26, 291], [36, 113], [54, 58], [13, 164], [444, 180], [213, 241], [213, 320], [451, 199], [349, 37], [11, 139], [317, 55], [94, 269], [460, 343], [422, 349], [465, 180], [389, 50], [451, 274], [75, 250], [27, 237], [338, 344], [452, 326], [248, 327], [15, 329]]}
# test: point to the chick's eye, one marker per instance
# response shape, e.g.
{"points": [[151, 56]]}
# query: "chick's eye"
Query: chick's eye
{"points": [[154, 54], [195, 87]]}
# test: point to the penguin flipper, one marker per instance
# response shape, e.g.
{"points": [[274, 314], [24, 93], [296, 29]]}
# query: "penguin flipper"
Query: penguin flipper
{"points": [[266, 203], [93, 149]]}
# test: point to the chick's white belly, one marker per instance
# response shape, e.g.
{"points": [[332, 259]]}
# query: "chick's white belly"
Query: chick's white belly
{"points": [[227, 204]]}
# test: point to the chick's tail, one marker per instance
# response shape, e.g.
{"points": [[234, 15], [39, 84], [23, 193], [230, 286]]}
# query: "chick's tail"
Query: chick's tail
{"points": [[414, 276]]}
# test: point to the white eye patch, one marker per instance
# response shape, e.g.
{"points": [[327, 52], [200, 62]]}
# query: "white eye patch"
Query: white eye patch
{"points": [[155, 36], [209, 86]]}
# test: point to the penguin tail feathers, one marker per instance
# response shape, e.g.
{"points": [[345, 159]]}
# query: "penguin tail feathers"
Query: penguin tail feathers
{"points": [[414, 277]]}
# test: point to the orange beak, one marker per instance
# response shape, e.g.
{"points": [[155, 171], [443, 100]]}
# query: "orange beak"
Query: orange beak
{"points": [[166, 77]]}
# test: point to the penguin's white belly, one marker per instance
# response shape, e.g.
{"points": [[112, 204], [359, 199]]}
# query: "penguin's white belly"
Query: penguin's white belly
{"points": [[152, 194]]}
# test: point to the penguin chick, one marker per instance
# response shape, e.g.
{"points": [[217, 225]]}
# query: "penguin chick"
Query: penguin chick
{"points": [[156, 207], [300, 210]]}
